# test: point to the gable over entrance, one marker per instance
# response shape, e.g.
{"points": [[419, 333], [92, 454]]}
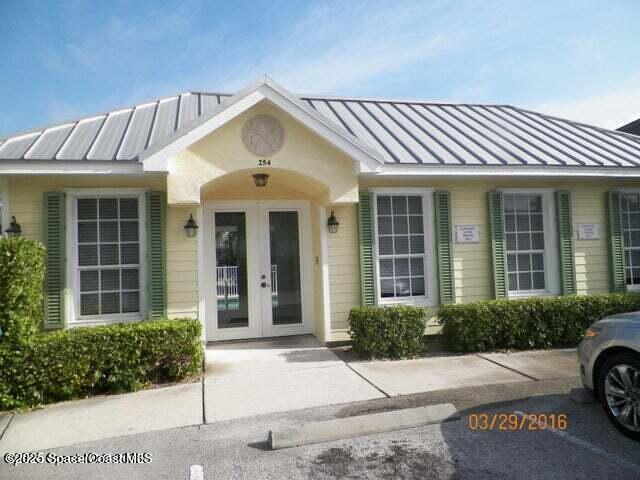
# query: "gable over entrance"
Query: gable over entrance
{"points": [[233, 137], [224, 151]]}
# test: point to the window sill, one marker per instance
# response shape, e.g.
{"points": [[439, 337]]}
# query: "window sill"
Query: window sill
{"points": [[532, 293], [95, 322], [418, 302]]}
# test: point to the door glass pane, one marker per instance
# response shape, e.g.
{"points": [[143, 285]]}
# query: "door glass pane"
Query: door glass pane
{"points": [[231, 270], [285, 268]]}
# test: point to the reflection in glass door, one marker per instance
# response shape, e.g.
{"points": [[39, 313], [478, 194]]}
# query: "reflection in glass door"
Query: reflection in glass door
{"points": [[284, 248], [231, 270]]}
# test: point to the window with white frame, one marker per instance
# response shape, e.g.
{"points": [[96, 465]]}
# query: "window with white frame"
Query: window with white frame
{"points": [[401, 247], [631, 230], [108, 255], [524, 224]]}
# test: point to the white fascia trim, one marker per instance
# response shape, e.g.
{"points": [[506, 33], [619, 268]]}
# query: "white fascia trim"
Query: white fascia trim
{"points": [[201, 275], [57, 167], [496, 171], [157, 160]]}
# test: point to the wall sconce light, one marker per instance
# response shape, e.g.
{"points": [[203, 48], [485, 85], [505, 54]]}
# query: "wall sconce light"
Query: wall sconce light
{"points": [[14, 229], [191, 227], [332, 223], [260, 179]]}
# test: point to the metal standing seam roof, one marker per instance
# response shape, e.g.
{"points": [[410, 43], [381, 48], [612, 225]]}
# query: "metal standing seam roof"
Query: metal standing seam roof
{"points": [[404, 132]]}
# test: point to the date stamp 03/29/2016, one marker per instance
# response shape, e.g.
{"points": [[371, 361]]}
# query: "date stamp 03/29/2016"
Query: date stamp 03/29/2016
{"points": [[517, 421]]}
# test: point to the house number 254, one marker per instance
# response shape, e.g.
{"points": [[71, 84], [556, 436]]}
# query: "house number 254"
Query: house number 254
{"points": [[264, 163]]}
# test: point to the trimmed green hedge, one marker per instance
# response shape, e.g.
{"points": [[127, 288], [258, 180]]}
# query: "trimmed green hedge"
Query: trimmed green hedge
{"points": [[21, 280], [530, 323], [93, 360], [387, 332]]}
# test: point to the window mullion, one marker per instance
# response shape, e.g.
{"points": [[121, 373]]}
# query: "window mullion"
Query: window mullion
{"points": [[117, 245], [389, 213]]}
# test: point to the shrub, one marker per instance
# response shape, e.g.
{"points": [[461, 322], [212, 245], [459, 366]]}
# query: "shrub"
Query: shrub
{"points": [[21, 281], [528, 323], [91, 360], [387, 332]]}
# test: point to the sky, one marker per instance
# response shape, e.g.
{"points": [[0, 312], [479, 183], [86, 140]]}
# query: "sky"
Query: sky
{"points": [[574, 59]]}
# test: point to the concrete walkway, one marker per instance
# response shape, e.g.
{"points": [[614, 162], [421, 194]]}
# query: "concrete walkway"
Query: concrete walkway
{"points": [[540, 364], [96, 418], [252, 378], [244, 379], [419, 375]]}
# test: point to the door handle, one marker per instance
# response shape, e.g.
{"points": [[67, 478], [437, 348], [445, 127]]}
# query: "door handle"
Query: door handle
{"points": [[264, 285]]}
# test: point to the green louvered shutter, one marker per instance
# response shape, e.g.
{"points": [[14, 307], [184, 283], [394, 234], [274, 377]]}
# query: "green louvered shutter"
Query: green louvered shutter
{"points": [[616, 242], [565, 242], [367, 244], [444, 247], [156, 254], [54, 230], [498, 247]]}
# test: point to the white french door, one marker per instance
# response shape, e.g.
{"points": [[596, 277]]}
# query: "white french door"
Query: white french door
{"points": [[258, 279]]}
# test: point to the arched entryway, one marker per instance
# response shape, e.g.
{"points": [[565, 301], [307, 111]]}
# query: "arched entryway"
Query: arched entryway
{"points": [[261, 250]]}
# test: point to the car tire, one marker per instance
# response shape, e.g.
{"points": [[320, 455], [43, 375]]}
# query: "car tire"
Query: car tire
{"points": [[611, 367]]}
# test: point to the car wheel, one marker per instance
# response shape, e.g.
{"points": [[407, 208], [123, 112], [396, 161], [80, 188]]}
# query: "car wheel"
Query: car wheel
{"points": [[619, 392]]}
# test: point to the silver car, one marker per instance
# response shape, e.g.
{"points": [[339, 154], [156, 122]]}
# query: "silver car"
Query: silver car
{"points": [[609, 356]]}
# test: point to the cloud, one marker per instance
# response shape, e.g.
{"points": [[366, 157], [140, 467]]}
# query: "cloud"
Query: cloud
{"points": [[119, 46], [607, 108], [352, 51], [475, 51], [58, 110], [341, 46]]}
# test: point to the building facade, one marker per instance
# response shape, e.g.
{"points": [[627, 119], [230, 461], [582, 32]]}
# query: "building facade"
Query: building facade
{"points": [[434, 203]]}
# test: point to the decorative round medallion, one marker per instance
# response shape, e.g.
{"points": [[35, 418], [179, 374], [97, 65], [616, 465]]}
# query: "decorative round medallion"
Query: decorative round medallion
{"points": [[263, 135]]}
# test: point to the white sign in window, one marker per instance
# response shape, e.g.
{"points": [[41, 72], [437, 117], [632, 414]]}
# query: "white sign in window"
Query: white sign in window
{"points": [[588, 231], [467, 234]]}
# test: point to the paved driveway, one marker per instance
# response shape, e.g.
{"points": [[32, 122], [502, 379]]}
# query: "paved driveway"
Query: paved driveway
{"points": [[589, 449], [243, 379]]}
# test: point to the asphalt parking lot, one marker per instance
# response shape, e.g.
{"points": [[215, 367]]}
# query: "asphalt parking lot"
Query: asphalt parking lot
{"points": [[589, 448]]}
